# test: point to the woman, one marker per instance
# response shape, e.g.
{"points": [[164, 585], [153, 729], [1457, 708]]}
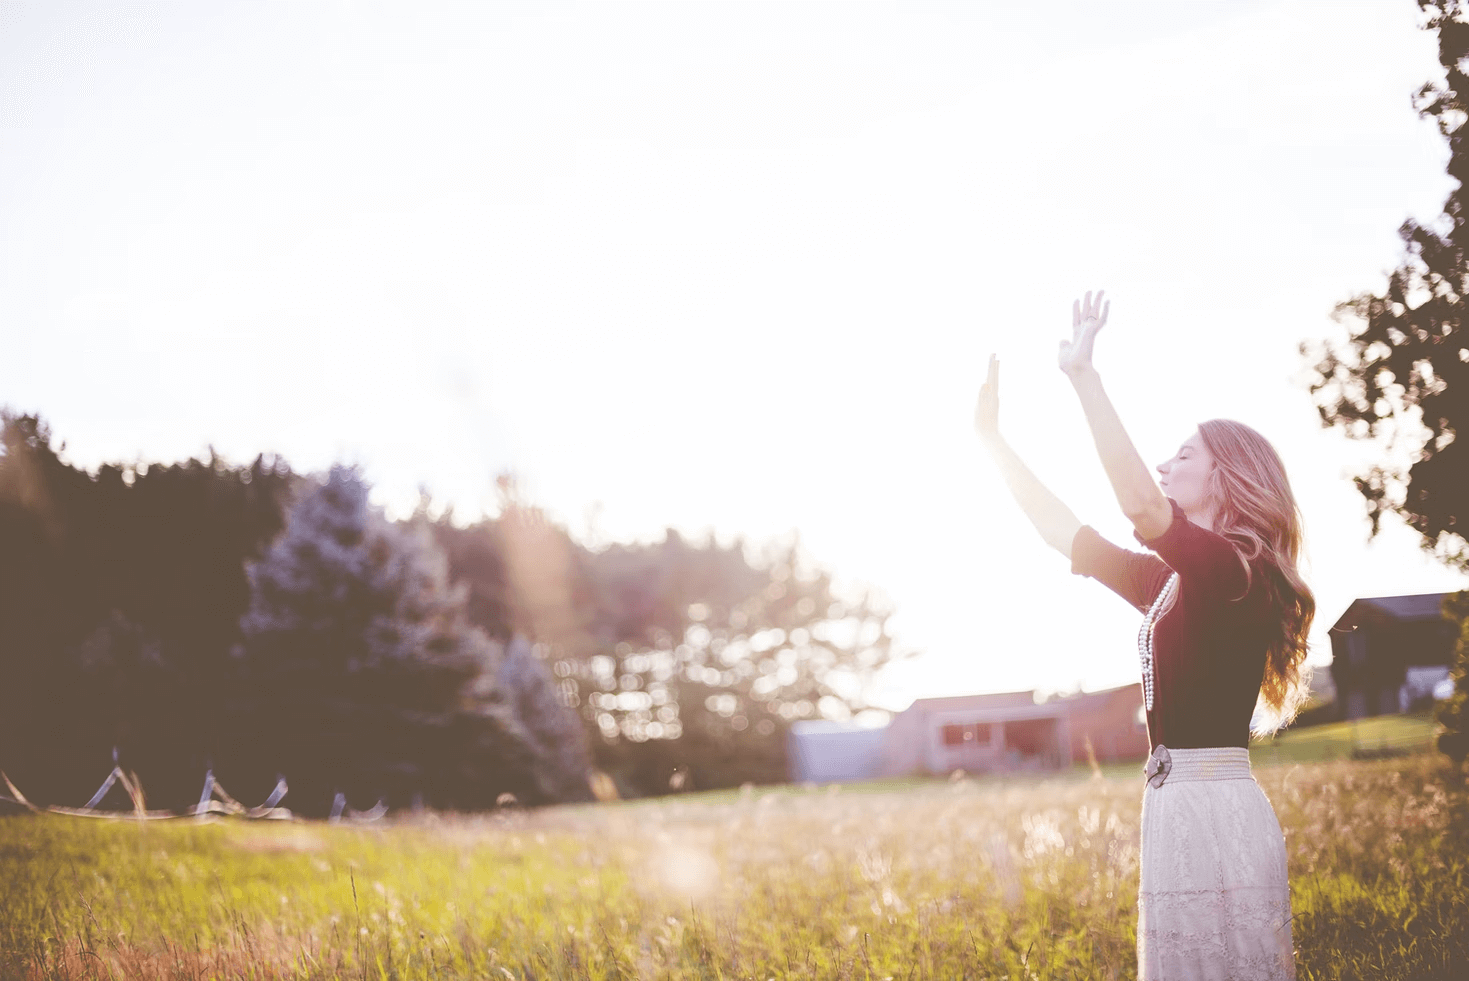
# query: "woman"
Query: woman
{"points": [[1225, 618]]}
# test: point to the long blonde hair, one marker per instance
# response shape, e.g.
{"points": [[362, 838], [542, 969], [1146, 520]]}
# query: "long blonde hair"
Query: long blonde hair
{"points": [[1256, 509]]}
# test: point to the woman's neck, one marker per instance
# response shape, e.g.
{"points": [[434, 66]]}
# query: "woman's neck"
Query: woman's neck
{"points": [[1205, 518]]}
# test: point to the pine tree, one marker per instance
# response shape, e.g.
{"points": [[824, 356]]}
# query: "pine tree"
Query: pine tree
{"points": [[358, 652], [553, 730]]}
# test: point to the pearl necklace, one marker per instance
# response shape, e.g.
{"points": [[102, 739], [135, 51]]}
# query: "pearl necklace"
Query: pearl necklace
{"points": [[1145, 638]]}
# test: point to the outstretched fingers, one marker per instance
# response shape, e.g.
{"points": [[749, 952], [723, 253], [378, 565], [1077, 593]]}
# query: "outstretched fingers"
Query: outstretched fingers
{"points": [[1091, 308]]}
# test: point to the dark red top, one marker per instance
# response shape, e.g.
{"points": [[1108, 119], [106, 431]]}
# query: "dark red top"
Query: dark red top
{"points": [[1209, 648]]}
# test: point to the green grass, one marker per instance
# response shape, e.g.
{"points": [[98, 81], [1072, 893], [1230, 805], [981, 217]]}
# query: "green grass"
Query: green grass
{"points": [[1027, 878], [1383, 735]]}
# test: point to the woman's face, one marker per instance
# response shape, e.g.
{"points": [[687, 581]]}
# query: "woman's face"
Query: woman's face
{"points": [[1185, 478]]}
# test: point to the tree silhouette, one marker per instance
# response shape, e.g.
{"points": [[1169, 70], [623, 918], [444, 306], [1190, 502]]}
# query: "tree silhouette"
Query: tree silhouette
{"points": [[119, 593], [1402, 377]]}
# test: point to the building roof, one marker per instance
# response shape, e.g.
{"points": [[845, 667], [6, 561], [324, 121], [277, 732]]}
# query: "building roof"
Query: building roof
{"points": [[1392, 609], [951, 703], [1106, 694], [816, 727], [1018, 704]]}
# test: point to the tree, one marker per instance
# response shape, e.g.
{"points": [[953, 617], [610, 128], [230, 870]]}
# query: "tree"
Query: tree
{"points": [[120, 591], [685, 660], [712, 619], [1454, 712], [741, 645], [52, 596], [549, 727], [177, 540], [363, 673], [345, 658], [1402, 376]]}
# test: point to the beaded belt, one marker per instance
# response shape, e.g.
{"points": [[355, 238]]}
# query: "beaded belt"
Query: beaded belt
{"points": [[1187, 765]]}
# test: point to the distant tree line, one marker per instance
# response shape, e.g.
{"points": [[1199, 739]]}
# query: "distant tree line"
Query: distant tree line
{"points": [[263, 622]]}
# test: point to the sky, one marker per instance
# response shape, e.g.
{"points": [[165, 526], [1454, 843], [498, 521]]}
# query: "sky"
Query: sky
{"points": [[734, 269]]}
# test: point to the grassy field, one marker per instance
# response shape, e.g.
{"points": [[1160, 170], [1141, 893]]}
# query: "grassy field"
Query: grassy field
{"points": [[998, 878], [1382, 735]]}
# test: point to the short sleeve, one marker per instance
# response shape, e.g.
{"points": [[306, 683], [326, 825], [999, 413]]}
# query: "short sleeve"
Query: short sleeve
{"points": [[1135, 576], [1202, 558]]}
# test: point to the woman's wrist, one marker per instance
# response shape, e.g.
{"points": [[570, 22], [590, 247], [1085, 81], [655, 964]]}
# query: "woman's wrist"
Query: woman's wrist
{"points": [[1082, 373]]}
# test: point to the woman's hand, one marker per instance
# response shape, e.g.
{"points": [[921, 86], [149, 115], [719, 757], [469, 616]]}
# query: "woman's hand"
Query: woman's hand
{"points": [[1086, 319], [987, 412]]}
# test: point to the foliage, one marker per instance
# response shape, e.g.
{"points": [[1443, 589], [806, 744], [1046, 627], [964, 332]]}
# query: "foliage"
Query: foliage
{"points": [[548, 728], [1402, 377], [687, 661], [359, 653], [119, 596], [381, 658], [739, 648], [122, 596], [1020, 878], [1453, 713]]}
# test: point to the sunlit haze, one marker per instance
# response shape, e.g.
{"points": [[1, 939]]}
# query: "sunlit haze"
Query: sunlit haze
{"points": [[725, 268]]}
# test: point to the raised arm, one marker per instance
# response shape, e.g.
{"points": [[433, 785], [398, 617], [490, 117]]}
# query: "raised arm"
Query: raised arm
{"points": [[1053, 519], [1140, 497]]}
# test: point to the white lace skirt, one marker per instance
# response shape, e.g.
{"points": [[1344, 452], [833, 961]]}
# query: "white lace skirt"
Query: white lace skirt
{"points": [[1214, 899]]}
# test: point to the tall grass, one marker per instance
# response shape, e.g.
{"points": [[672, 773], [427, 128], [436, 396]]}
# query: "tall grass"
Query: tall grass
{"points": [[1018, 878]]}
